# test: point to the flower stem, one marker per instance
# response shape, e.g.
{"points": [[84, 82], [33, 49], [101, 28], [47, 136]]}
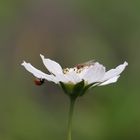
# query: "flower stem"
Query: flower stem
{"points": [[71, 109]]}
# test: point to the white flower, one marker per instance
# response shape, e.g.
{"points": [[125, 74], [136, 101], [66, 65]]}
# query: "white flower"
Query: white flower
{"points": [[92, 74]]}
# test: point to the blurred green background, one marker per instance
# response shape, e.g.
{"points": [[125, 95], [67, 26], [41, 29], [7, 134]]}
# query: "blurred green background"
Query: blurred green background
{"points": [[69, 32]]}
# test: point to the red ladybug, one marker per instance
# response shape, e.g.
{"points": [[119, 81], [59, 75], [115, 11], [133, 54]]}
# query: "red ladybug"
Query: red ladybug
{"points": [[39, 82]]}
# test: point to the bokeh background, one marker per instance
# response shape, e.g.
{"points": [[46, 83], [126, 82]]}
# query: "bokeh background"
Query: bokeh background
{"points": [[69, 32]]}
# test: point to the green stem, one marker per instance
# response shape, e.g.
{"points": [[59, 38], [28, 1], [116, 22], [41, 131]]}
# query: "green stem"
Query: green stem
{"points": [[71, 109]]}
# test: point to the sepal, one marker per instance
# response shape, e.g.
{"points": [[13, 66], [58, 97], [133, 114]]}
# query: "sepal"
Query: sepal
{"points": [[73, 90]]}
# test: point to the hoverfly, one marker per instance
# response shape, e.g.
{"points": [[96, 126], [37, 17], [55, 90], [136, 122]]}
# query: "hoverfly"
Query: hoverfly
{"points": [[39, 82], [88, 63]]}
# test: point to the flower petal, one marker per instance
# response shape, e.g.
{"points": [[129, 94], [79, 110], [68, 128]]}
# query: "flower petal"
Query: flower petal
{"points": [[114, 72], [62, 78], [52, 66], [95, 73], [73, 77], [37, 73], [70, 77], [84, 71], [112, 80]]}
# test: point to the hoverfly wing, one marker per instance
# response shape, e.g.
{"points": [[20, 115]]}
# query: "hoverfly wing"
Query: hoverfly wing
{"points": [[88, 63], [91, 62]]}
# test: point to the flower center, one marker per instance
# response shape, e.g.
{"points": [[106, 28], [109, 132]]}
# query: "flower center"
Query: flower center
{"points": [[78, 69], [66, 70]]}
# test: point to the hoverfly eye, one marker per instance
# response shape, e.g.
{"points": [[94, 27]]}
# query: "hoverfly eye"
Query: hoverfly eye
{"points": [[39, 82], [79, 66]]}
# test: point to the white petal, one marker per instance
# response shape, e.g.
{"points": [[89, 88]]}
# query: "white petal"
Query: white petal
{"points": [[37, 73], [95, 73], [62, 78], [114, 72], [70, 77], [112, 80], [83, 72], [73, 77], [52, 66]]}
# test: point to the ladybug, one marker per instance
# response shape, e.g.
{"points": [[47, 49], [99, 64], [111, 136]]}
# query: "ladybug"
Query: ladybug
{"points": [[39, 82]]}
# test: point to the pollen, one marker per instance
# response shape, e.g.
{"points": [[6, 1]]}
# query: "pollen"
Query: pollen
{"points": [[66, 70]]}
